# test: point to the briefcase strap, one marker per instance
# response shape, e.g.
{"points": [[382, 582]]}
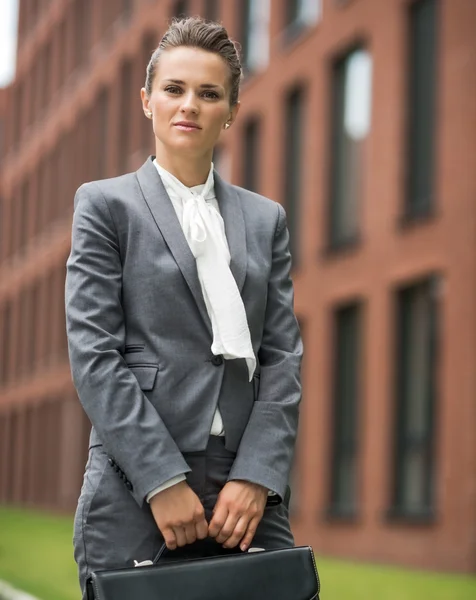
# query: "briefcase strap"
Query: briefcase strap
{"points": [[160, 553]]}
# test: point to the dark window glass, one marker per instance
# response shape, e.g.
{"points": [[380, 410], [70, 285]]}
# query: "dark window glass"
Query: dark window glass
{"points": [[102, 116], [149, 44], [293, 155], [5, 342], [251, 155], [18, 116], [211, 10], [292, 11], [180, 8], [302, 12], [62, 64], [127, 7], [421, 107], [24, 214], [47, 75], [350, 126], [82, 23], [245, 8], [125, 109], [416, 368], [35, 321], [347, 354], [254, 18], [3, 145]]}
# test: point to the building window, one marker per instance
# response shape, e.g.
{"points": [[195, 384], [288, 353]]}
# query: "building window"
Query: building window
{"points": [[82, 21], [421, 108], [102, 132], [6, 338], [24, 214], [302, 12], [347, 366], [293, 158], [222, 162], [211, 9], [251, 155], [352, 87], [255, 16], [149, 44], [127, 8], [415, 387], [180, 9], [125, 109]]}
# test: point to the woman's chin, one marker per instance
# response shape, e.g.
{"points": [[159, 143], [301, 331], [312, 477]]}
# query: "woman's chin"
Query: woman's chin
{"points": [[185, 147]]}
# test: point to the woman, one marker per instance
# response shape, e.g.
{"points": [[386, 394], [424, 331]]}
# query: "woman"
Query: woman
{"points": [[184, 347]]}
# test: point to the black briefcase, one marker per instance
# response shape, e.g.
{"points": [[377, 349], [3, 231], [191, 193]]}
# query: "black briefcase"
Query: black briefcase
{"points": [[287, 574]]}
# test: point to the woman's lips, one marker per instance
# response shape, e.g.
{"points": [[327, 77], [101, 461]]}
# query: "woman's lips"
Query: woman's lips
{"points": [[187, 127]]}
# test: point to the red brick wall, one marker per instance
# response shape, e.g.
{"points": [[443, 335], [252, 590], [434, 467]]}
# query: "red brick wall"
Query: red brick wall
{"points": [[52, 140]]}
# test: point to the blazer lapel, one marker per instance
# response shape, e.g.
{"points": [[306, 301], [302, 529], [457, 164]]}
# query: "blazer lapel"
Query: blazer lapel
{"points": [[232, 213], [166, 219]]}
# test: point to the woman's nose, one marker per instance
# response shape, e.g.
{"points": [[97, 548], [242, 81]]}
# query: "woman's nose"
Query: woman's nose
{"points": [[189, 103]]}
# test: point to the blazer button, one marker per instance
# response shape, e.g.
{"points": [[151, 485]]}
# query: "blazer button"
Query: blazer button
{"points": [[217, 360]]}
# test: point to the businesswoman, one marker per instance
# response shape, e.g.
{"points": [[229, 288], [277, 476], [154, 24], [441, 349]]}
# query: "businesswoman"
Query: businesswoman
{"points": [[184, 347]]}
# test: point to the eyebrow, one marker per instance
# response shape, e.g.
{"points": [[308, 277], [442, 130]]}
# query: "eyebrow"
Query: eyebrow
{"points": [[203, 85]]}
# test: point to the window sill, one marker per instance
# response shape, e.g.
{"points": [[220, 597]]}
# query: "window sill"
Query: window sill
{"points": [[402, 516], [338, 248], [341, 514], [294, 33], [414, 219]]}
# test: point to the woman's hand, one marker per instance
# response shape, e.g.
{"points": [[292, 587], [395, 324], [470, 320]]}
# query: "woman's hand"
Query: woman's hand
{"points": [[237, 513], [179, 515]]}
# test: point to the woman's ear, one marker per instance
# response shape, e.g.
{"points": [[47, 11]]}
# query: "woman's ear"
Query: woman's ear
{"points": [[145, 102], [232, 116]]}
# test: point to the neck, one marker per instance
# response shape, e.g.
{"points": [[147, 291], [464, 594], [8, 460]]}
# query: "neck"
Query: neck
{"points": [[190, 171]]}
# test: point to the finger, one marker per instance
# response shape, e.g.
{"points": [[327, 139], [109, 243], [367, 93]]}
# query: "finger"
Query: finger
{"points": [[201, 529], [240, 530], [250, 533], [228, 528], [190, 533], [218, 520], [180, 536], [169, 538]]}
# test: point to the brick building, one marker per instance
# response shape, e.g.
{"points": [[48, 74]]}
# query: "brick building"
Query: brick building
{"points": [[356, 115]]}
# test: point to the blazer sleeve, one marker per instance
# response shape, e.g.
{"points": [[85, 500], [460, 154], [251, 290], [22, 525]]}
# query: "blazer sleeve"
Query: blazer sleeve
{"points": [[130, 428], [266, 449]]}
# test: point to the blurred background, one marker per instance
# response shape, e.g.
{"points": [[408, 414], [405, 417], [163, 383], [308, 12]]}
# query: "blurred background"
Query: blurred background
{"points": [[359, 116]]}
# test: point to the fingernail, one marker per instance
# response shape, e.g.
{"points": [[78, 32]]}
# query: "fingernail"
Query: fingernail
{"points": [[243, 547]]}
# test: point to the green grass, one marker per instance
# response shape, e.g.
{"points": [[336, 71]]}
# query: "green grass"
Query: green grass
{"points": [[36, 556]]}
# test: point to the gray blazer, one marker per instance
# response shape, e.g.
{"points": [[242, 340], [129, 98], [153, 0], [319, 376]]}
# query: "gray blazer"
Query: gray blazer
{"points": [[139, 335]]}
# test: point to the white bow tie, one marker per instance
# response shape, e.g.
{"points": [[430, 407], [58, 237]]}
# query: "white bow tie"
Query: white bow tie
{"points": [[204, 230]]}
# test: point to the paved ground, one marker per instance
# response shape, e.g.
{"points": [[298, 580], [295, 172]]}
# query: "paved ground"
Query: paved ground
{"points": [[9, 593]]}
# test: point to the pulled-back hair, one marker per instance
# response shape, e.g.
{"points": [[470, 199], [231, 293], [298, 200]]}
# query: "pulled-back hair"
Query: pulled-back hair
{"points": [[195, 32]]}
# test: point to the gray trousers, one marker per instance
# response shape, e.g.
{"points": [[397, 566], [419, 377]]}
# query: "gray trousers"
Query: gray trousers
{"points": [[111, 530]]}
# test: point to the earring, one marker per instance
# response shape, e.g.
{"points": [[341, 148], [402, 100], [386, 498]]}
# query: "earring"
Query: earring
{"points": [[227, 125], [149, 114]]}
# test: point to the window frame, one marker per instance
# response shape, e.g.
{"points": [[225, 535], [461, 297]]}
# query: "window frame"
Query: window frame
{"points": [[404, 441], [341, 449]]}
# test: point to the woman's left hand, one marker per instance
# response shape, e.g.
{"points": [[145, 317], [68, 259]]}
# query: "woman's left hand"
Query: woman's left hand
{"points": [[237, 513]]}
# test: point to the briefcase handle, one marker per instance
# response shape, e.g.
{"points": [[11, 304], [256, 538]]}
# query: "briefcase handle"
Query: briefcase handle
{"points": [[160, 553]]}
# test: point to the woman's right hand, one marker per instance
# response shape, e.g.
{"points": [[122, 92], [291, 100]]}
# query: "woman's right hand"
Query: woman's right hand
{"points": [[179, 515]]}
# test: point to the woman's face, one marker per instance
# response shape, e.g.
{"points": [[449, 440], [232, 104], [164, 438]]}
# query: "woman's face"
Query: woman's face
{"points": [[190, 101]]}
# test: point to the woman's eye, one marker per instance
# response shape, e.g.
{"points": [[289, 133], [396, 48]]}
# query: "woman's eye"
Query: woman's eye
{"points": [[212, 95], [173, 89]]}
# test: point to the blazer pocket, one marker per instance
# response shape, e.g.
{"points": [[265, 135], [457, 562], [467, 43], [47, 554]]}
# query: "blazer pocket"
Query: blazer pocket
{"points": [[145, 375]]}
